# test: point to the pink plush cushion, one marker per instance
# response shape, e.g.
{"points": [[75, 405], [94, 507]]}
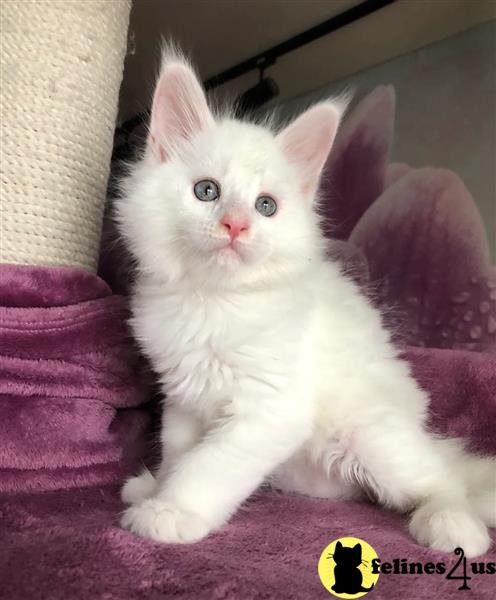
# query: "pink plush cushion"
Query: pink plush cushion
{"points": [[70, 381], [412, 236]]}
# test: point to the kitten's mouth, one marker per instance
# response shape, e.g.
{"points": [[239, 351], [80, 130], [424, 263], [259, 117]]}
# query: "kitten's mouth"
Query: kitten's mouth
{"points": [[231, 248]]}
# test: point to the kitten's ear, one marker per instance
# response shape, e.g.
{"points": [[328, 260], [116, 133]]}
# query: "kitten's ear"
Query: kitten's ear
{"points": [[308, 140], [357, 549], [179, 108], [339, 546]]}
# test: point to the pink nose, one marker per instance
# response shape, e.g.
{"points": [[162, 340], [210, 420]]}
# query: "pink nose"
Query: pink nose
{"points": [[234, 226]]}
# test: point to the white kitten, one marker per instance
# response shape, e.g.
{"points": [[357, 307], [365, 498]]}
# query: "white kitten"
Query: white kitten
{"points": [[273, 364]]}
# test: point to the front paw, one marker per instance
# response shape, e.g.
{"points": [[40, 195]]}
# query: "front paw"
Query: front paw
{"points": [[163, 522], [137, 489]]}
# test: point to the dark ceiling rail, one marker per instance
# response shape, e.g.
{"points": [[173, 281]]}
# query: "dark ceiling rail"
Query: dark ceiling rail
{"points": [[269, 56]]}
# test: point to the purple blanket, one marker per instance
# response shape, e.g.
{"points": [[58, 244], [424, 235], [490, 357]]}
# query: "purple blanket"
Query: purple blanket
{"points": [[70, 425], [74, 416], [69, 380]]}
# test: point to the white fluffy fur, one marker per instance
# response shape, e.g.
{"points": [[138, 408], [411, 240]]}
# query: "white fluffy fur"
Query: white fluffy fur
{"points": [[274, 366]]}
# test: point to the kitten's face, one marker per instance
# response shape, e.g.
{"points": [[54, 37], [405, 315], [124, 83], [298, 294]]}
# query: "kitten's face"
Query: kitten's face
{"points": [[223, 202], [249, 215]]}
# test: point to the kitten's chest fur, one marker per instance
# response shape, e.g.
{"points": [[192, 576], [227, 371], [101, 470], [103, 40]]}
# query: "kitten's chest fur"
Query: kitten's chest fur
{"points": [[205, 346]]}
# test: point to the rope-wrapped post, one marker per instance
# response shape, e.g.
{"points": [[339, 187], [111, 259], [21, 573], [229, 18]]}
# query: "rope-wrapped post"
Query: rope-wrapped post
{"points": [[61, 68]]}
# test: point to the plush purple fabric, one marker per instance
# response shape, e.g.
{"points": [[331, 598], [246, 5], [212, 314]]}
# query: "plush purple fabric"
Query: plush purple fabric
{"points": [[69, 381], [68, 391], [67, 543], [355, 174], [413, 236]]}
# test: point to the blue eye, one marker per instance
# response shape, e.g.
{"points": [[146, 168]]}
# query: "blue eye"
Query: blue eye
{"points": [[206, 190], [266, 206]]}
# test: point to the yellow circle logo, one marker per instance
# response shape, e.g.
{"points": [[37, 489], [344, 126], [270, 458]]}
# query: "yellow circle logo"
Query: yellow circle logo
{"points": [[345, 568]]}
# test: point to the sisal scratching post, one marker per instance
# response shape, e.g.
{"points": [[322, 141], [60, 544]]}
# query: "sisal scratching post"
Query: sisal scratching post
{"points": [[61, 68]]}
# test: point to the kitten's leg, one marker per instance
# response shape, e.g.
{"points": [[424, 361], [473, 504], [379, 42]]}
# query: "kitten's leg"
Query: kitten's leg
{"points": [[407, 469], [210, 481], [181, 430], [480, 477], [302, 475]]}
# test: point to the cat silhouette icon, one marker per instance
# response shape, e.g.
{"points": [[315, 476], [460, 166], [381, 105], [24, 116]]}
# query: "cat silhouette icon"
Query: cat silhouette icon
{"points": [[348, 577]]}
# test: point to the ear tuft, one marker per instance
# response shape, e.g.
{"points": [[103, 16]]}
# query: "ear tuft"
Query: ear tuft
{"points": [[307, 141], [179, 108]]}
